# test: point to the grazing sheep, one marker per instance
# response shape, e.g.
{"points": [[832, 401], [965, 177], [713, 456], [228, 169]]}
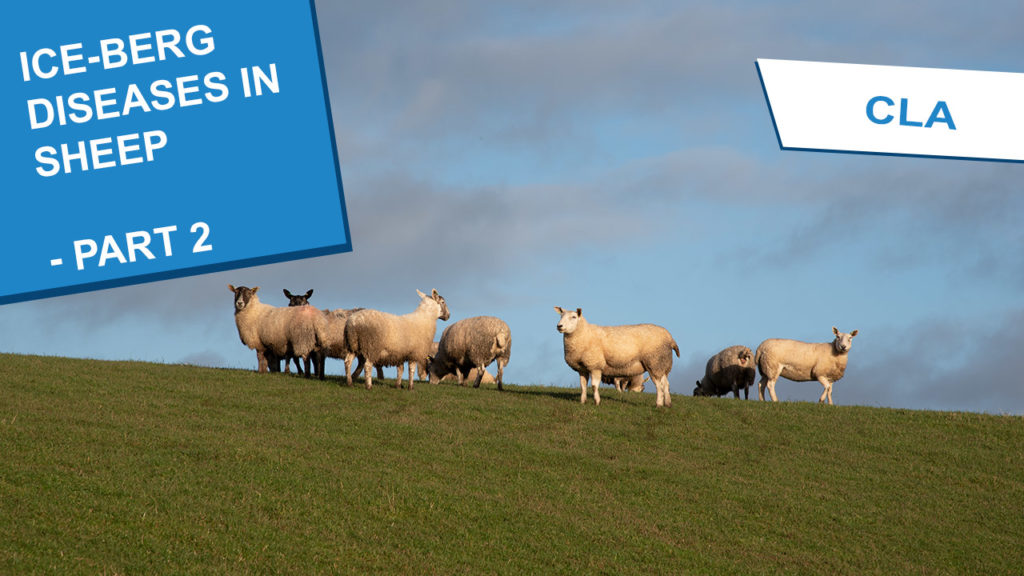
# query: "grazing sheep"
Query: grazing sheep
{"points": [[388, 340], [296, 300], [730, 369], [596, 351], [472, 343], [633, 383], [803, 362], [486, 378], [276, 332]]}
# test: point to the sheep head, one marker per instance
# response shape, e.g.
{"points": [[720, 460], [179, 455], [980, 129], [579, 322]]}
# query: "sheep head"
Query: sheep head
{"points": [[568, 319], [442, 306], [843, 340], [298, 300], [243, 296]]}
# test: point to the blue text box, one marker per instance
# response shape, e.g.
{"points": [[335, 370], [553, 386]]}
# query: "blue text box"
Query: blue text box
{"points": [[145, 141]]}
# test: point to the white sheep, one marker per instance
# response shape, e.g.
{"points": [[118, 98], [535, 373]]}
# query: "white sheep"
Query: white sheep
{"points": [[384, 339], [595, 351], [472, 343], [274, 332], [803, 362], [730, 369]]}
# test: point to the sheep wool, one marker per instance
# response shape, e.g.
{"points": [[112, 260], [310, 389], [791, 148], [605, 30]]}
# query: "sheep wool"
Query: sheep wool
{"points": [[803, 362], [730, 369], [276, 332], [472, 344], [619, 351], [383, 339]]}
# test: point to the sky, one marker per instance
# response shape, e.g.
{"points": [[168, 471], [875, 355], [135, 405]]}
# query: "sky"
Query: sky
{"points": [[619, 157]]}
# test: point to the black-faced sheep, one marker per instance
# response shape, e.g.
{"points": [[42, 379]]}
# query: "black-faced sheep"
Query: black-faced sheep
{"points": [[803, 362], [276, 332], [297, 300], [472, 343], [729, 370], [618, 351], [384, 339]]}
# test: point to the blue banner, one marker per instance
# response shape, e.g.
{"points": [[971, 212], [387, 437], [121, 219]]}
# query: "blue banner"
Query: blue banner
{"points": [[145, 141]]}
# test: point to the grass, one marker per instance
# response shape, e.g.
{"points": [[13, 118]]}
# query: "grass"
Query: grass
{"points": [[135, 468]]}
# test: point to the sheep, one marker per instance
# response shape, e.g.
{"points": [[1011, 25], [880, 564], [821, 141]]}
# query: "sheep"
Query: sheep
{"points": [[485, 378], [296, 300], [633, 383], [803, 362], [335, 346], [388, 340], [472, 343], [730, 369], [596, 351], [276, 332]]}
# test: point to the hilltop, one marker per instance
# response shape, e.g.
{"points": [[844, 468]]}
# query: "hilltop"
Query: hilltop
{"points": [[128, 467]]}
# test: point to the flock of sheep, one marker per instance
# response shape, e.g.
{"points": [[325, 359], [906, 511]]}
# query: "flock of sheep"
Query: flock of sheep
{"points": [[618, 355]]}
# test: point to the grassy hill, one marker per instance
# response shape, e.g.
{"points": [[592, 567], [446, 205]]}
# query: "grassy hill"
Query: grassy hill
{"points": [[134, 468]]}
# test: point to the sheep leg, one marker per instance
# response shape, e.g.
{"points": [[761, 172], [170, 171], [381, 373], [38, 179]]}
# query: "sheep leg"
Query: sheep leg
{"points": [[459, 376], [261, 362], [401, 369], [827, 392], [583, 387], [595, 379], [348, 368], [412, 366], [369, 374], [665, 386], [661, 386], [771, 389], [501, 368], [479, 376]]}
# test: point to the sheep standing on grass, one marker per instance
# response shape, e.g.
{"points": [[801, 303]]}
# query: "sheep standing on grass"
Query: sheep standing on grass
{"points": [[618, 351], [335, 345], [730, 369], [274, 332], [803, 362], [384, 339], [296, 300], [472, 343]]}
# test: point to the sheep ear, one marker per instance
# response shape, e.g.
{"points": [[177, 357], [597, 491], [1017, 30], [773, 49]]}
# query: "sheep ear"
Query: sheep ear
{"points": [[287, 294], [559, 310], [230, 287], [835, 331], [309, 293], [255, 288], [852, 334], [579, 312], [433, 293], [421, 294]]}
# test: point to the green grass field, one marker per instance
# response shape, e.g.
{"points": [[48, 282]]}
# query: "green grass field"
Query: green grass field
{"points": [[135, 468]]}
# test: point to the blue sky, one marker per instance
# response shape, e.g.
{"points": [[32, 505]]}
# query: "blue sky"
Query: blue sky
{"points": [[619, 157]]}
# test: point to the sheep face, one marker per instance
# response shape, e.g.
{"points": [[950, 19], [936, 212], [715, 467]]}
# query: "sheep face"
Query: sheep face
{"points": [[843, 340], [568, 319], [243, 296], [442, 306], [298, 299], [444, 315]]}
